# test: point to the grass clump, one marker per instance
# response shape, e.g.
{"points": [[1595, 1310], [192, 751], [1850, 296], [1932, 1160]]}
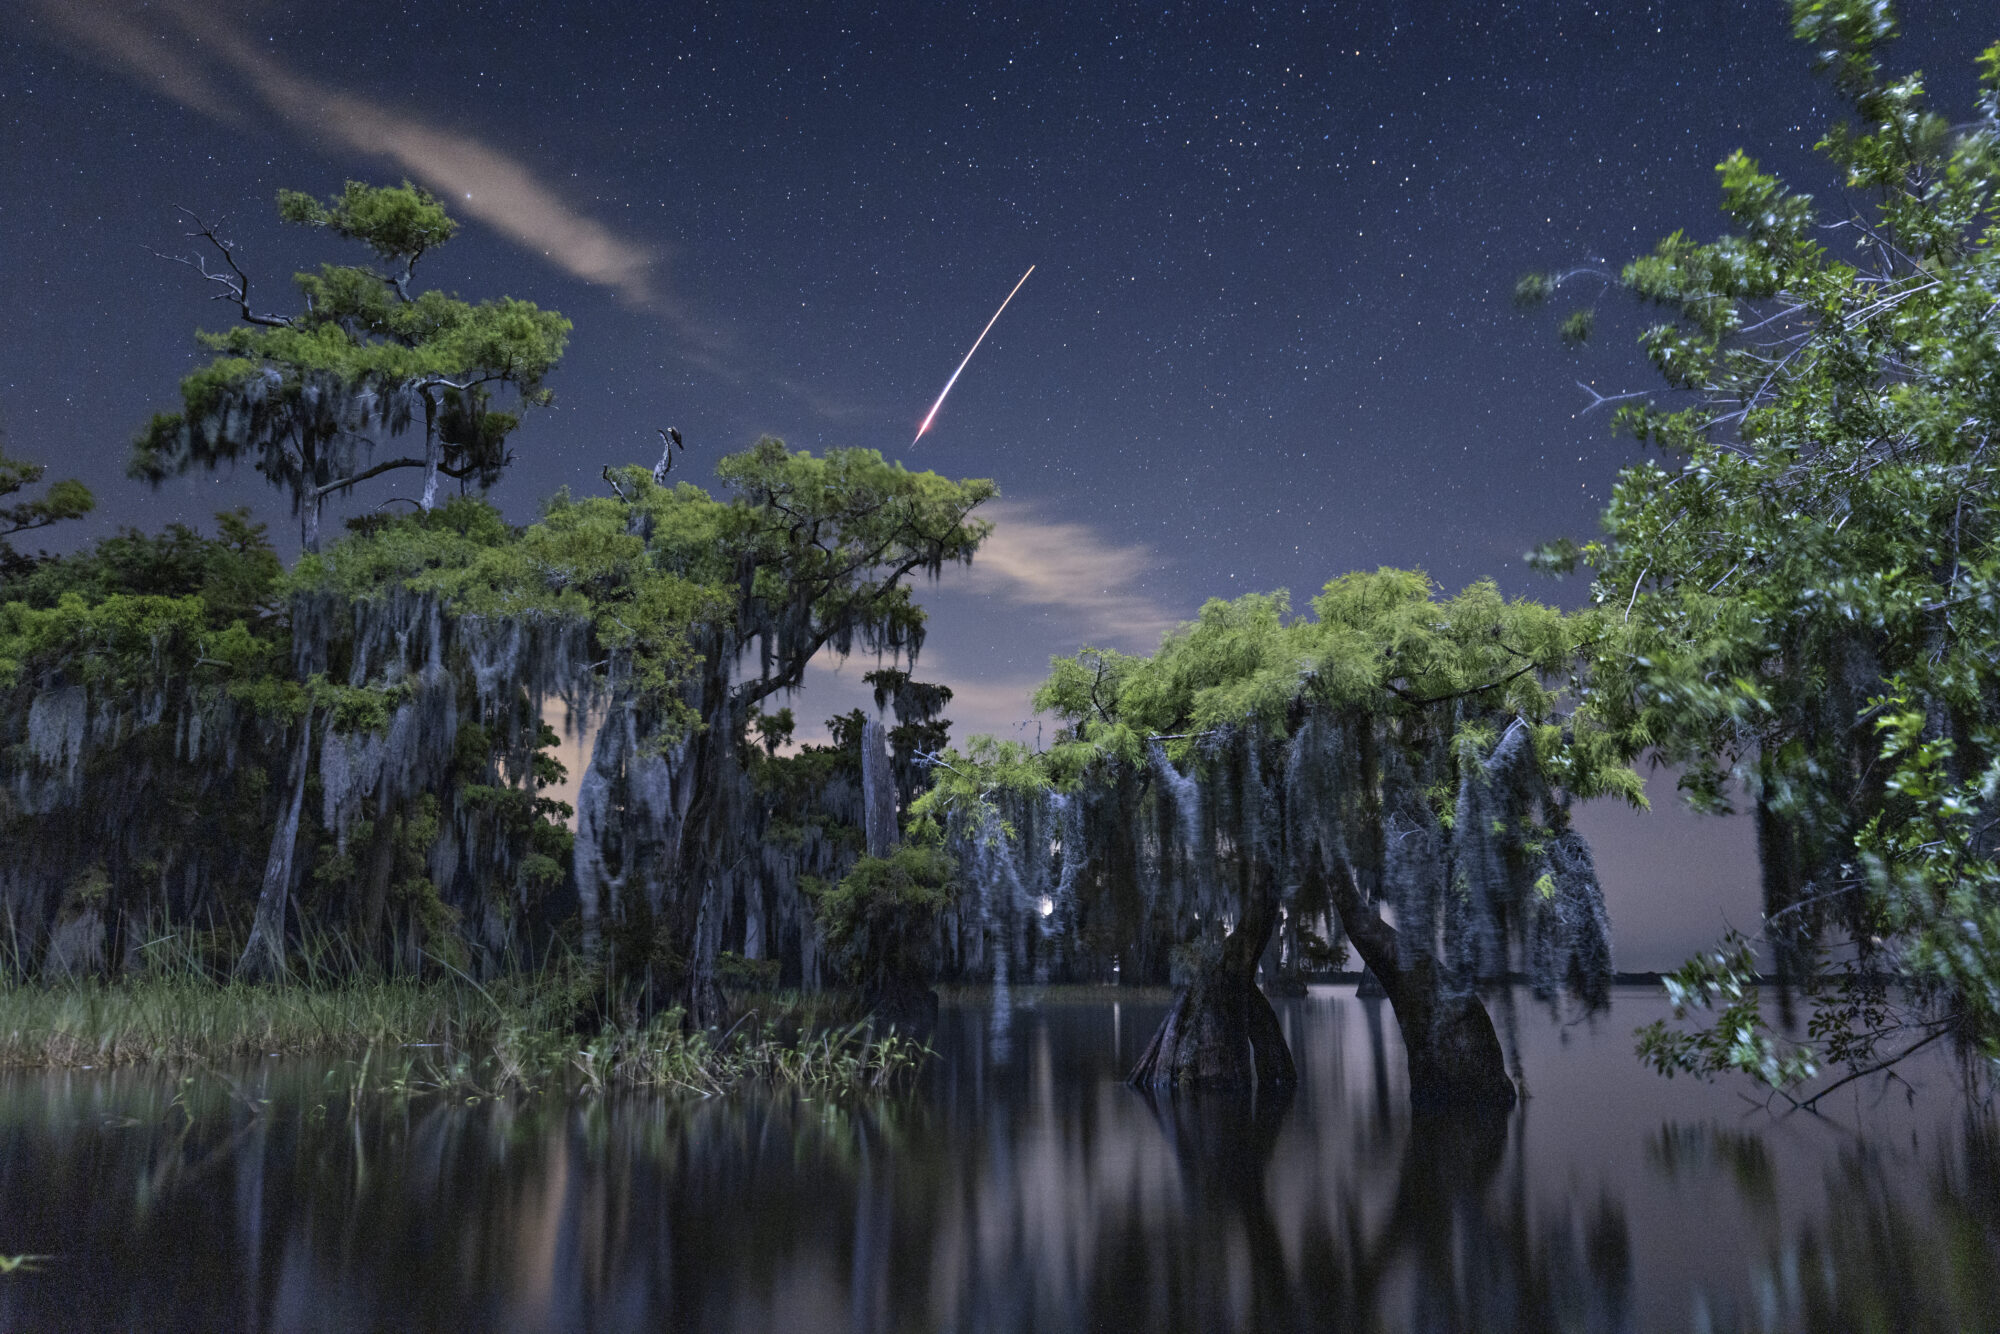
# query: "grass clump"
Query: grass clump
{"points": [[517, 1032], [189, 1018], [664, 1054]]}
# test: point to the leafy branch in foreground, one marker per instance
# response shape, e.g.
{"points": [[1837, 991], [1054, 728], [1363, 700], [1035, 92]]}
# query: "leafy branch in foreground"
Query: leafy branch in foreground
{"points": [[1737, 1039], [1803, 589]]}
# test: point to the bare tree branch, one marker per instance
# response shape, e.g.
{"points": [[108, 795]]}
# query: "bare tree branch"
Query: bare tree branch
{"points": [[235, 283], [1598, 400]]}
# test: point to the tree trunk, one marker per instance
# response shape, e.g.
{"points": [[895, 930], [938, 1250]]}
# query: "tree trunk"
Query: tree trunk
{"points": [[310, 506], [433, 454], [680, 900], [264, 955], [1280, 973], [375, 891], [1455, 1061], [878, 791], [1221, 1032], [904, 1003]]}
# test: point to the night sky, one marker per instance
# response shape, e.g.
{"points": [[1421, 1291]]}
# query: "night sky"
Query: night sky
{"points": [[1269, 337]]}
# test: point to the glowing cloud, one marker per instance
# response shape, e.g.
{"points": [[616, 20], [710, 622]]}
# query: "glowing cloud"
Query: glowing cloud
{"points": [[1070, 569], [473, 177]]}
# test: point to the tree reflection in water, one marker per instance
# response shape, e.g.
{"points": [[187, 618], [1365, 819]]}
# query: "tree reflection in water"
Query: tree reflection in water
{"points": [[1030, 1191], [1882, 1256], [1452, 1251]]}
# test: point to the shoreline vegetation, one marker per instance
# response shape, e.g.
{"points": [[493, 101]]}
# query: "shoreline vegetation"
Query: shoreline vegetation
{"points": [[516, 1033]]}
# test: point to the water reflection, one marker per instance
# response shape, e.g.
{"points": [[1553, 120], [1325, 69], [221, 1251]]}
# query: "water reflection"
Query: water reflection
{"points": [[1022, 1188], [1887, 1253]]}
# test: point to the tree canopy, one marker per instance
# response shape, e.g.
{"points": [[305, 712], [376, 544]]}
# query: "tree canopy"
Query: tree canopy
{"points": [[813, 554], [1265, 774], [399, 679], [311, 397], [1803, 586], [67, 499]]}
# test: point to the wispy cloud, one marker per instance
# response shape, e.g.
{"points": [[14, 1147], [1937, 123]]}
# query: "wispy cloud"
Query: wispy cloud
{"points": [[206, 63], [1072, 570], [475, 177], [159, 58]]}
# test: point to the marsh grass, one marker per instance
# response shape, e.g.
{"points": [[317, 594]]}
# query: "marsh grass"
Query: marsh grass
{"points": [[179, 1019], [446, 1032], [818, 1061]]}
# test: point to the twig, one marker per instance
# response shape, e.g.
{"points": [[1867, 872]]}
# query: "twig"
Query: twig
{"points": [[1810, 1104], [1598, 400]]}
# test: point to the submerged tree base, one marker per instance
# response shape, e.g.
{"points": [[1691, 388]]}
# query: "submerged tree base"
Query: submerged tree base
{"points": [[1221, 1033], [1456, 1064]]}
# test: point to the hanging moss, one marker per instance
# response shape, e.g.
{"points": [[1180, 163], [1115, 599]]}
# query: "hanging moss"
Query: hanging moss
{"points": [[815, 554], [1269, 779]]}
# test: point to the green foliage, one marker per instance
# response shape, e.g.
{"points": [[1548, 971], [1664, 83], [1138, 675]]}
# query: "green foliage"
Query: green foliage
{"points": [[137, 614], [1382, 644], [734, 971], [828, 547], [310, 397], [1532, 289], [879, 921], [1738, 1040], [964, 785], [1802, 596], [1380, 651], [398, 223], [618, 567], [69, 499], [774, 730]]}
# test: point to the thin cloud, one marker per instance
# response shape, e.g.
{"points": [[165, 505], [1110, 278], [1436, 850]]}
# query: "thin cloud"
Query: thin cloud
{"points": [[1071, 569], [103, 33], [476, 178]]}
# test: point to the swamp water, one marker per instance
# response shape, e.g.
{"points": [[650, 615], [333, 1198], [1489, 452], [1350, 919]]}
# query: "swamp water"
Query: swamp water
{"points": [[1020, 1186]]}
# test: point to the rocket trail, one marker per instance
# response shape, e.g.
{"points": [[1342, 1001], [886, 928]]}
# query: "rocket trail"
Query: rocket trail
{"points": [[931, 416]]}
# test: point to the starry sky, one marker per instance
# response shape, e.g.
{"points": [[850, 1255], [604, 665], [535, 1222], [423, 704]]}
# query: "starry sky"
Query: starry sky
{"points": [[1269, 337]]}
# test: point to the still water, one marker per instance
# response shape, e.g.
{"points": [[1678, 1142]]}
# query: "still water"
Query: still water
{"points": [[1021, 1187]]}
